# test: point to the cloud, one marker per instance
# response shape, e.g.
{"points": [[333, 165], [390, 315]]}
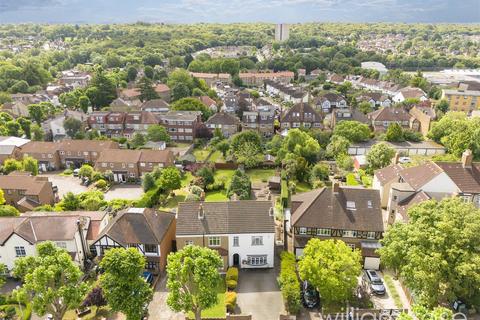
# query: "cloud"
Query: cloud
{"points": [[15, 5]]}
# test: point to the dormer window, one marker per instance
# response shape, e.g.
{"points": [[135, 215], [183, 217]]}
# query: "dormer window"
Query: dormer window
{"points": [[351, 205], [369, 204]]}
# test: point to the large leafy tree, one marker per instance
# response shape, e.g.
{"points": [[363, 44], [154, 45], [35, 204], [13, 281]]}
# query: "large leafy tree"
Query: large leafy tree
{"points": [[157, 133], [170, 179], [193, 279], [122, 282], [338, 146], [380, 156], [301, 144], [192, 104], [332, 268], [240, 185], [394, 133], [353, 131], [246, 148], [437, 252], [72, 126], [102, 90], [147, 92], [52, 280]]}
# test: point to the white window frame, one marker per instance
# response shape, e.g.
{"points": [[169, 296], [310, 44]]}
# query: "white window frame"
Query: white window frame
{"points": [[257, 240], [236, 241], [214, 241], [20, 252]]}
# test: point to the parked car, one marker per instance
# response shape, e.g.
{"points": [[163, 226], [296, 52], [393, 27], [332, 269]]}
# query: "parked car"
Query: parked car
{"points": [[404, 160], [76, 172], [374, 282], [148, 277], [310, 296]]}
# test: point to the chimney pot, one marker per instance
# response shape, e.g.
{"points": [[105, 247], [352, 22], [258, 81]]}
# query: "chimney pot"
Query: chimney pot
{"points": [[336, 187], [467, 158], [201, 213]]}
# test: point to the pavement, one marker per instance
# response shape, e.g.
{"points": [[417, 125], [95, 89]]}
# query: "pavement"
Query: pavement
{"points": [[124, 191], [65, 184]]}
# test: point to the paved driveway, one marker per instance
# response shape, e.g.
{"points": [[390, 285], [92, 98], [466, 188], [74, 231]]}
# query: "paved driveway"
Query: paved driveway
{"points": [[124, 191], [158, 308], [65, 183], [258, 294]]}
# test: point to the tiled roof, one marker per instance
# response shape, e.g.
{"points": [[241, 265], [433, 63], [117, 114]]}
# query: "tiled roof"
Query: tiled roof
{"points": [[418, 176], [223, 118], [87, 145], [322, 208], [467, 179], [120, 155], [388, 173], [244, 216], [139, 225], [31, 184], [389, 114]]}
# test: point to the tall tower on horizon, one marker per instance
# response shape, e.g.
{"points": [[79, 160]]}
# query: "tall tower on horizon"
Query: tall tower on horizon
{"points": [[282, 32]]}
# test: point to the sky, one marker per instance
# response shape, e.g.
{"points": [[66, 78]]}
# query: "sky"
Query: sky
{"points": [[226, 11]]}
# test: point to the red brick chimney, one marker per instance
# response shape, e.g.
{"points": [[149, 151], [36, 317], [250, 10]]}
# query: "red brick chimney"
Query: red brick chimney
{"points": [[467, 158]]}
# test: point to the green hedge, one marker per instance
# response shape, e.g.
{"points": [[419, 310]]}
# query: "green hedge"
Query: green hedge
{"points": [[284, 193], [289, 283]]}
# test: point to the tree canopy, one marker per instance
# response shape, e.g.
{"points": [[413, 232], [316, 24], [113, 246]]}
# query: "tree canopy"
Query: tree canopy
{"points": [[437, 252]]}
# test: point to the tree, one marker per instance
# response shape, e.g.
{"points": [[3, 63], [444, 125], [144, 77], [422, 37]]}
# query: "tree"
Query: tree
{"points": [[8, 211], [301, 144], [436, 253], [353, 131], [86, 171], [122, 282], [70, 202], [132, 73], [10, 165], [170, 179], [296, 167], [223, 146], [147, 91], [332, 268], [84, 103], [25, 124], [240, 185], [157, 133], [14, 128], [365, 107], [52, 280], [2, 197], [338, 145], [102, 90], [442, 106], [193, 279], [246, 147], [30, 165], [95, 298], [72, 126], [380, 156], [148, 182], [320, 171], [394, 133], [192, 104], [37, 133], [3, 271], [37, 113], [207, 176], [138, 140]]}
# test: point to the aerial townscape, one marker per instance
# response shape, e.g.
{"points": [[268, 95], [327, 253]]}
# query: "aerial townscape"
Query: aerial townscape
{"points": [[221, 168]]}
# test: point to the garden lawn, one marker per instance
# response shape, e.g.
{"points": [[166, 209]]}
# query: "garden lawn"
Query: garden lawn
{"points": [[212, 196], [201, 154], [217, 156], [224, 174], [302, 187], [172, 202], [218, 310], [187, 178], [260, 175], [352, 180]]}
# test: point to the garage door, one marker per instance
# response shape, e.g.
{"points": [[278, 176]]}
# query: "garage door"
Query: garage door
{"points": [[372, 263]]}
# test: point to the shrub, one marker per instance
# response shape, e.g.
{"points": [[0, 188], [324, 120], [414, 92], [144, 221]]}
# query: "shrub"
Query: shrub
{"points": [[27, 312], [101, 184], [230, 300], [289, 283], [232, 274], [231, 284], [67, 172]]}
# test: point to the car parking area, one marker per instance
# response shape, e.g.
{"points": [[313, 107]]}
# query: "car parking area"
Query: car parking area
{"points": [[124, 191], [65, 184]]}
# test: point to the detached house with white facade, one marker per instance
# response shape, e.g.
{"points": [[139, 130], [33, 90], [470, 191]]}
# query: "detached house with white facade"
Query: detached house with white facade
{"points": [[242, 232]]}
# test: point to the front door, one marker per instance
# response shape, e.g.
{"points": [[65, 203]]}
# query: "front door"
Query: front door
{"points": [[236, 260]]}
